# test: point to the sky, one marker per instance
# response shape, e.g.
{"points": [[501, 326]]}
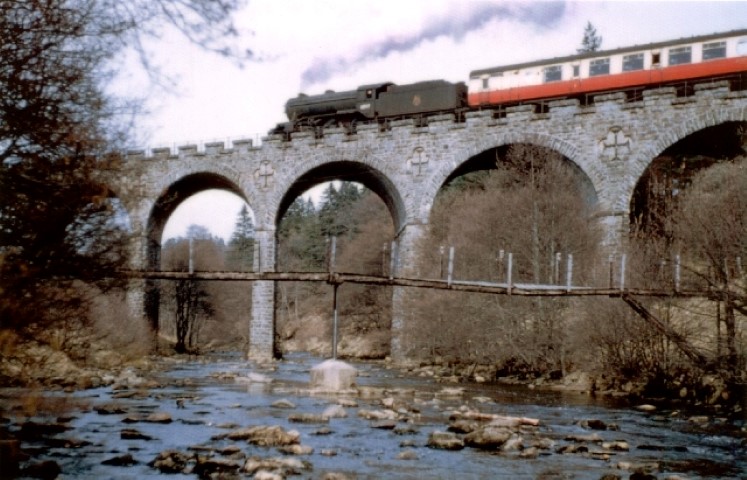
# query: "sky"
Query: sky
{"points": [[314, 46]]}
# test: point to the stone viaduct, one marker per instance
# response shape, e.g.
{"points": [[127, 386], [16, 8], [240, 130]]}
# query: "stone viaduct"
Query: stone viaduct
{"points": [[612, 141]]}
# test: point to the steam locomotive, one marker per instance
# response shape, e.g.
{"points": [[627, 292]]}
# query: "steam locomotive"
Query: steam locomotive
{"points": [[623, 69], [369, 102]]}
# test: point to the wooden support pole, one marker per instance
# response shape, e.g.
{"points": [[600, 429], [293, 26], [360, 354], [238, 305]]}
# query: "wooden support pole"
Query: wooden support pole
{"points": [[509, 271], [558, 257], [666, 330], [441, 251], [569, 272], [451, 266], [501, 266], [393, 259], [677, 272], [191, 255], [334, 320], [332, 254], [623, 258], [611, 261]]}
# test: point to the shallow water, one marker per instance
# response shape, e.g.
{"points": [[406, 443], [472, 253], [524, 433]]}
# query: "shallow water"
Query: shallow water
{"points": [[207, 405]]}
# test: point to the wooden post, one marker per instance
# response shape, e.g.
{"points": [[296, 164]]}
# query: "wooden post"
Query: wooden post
{"points": [[739, 267], [501, 266], [623, 258], [332, 254], [383, 259], [677, 267], [509, 271], [191, 255], [558, 257], [612, 270], [334, 320], [569, 272], [393, 259], [451, 265], [441, 251]]}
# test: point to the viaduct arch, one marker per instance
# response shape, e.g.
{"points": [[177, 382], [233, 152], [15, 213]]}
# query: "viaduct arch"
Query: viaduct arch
{"points": [[611, 140]]}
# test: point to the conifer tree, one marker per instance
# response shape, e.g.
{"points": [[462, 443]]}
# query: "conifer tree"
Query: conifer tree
{"points": [[241, 244], [591, 41]]}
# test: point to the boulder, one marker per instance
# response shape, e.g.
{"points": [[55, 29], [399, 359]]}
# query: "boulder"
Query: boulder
{"points": [[333, 375], [265, 436], [445, 441], [489, 437], [307, 418], [158, 417], [170, 461]]}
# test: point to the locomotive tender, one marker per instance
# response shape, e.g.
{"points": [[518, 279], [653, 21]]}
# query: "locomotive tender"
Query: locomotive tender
{"points": [[623, 69]]}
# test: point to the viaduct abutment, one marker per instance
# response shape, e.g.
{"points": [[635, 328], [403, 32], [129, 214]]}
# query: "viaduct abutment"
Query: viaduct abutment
{"points": [[612, 141]]}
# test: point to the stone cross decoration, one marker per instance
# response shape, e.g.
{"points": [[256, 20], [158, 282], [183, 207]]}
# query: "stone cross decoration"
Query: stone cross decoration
{"points": [[615, 144], [264, 173], [418, 159]]}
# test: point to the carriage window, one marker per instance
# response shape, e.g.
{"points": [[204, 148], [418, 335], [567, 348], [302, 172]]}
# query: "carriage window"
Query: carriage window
{"points": [[485, 83], [600, 66], [576, 70], [633, 62], [553, 74], [680, 55], [714, 50]]}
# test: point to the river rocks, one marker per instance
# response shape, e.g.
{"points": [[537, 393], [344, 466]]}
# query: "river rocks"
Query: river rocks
{"points": [[125, 460], [377, 414], [489, 437], [279, 466], [297, 449], [206, 467], [407, 454], [158, 417], [266, 436], [445, 441], [170, 461], [132, 434], [333, 376], [307, 418], [110, 409], [384, 424], [283, 403]]}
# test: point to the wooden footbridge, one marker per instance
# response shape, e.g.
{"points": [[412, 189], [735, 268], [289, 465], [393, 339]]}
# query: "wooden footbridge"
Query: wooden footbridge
{"points": [[627, 294]]}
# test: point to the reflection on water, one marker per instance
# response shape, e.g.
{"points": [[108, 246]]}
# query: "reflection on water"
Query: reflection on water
{"points": [[203, 405]]}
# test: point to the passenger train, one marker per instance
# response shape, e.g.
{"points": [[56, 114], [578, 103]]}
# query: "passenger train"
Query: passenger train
{"points": [[673, 62]]}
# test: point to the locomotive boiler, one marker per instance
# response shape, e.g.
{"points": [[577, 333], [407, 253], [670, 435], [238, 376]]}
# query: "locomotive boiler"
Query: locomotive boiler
{"points": [[381, 101]]}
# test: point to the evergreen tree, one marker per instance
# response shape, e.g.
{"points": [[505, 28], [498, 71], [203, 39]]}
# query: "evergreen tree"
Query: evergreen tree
{"points": [[241, 244], [591, 41]]}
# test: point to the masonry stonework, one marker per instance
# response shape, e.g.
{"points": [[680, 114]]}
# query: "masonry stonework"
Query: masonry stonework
{"points": [[612, 141]]}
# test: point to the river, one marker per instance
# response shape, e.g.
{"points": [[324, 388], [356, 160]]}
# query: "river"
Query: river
{"points": [[204, 401]]}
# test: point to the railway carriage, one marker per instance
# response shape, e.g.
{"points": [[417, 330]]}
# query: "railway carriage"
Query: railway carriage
{"points": [[627, 68], [631, 69]]}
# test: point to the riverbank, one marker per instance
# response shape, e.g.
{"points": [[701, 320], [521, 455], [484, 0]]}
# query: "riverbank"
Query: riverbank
{"points": [[228, 418]]}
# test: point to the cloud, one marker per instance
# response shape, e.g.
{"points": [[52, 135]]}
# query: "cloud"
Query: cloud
{"points": [[454, 25]]}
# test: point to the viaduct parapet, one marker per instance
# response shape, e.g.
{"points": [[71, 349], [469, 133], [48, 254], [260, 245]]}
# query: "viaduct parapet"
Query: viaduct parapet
{"points": [[612, 141]]}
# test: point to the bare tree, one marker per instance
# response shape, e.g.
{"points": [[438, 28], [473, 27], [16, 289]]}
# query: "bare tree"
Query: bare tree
{"points": [[58, 125], [711, 230], [532, 206]]}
